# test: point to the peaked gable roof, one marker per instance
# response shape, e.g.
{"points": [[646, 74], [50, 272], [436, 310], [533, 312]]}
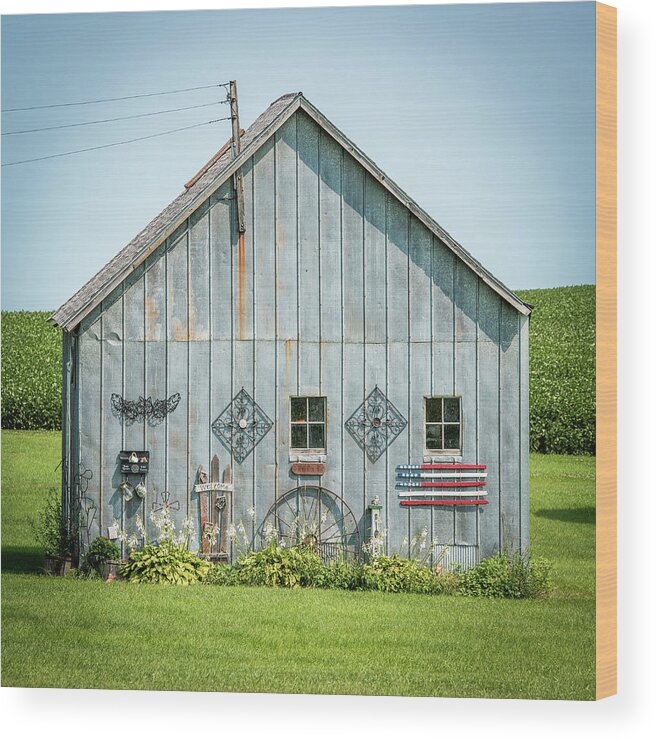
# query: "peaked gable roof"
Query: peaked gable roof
{"points": [[212, 176]]}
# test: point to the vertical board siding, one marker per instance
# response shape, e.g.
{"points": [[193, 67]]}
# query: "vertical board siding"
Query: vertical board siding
{"points": [[353, 351], [523, 434], [443, 266], [265, 459], [375, 278], [222, 246], [334, 288], [156, 362], [398, 356], [111, 379], [134, 378], [177, 375], [419, 376], [243, 268], [509, 429], [489, 313], [90, 389], [309, 295], [286, 277], [330, 214], [198, 445], [466, 387]]}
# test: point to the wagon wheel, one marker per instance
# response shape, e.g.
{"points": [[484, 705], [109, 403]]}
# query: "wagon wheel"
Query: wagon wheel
{"points": [[317, 518]]}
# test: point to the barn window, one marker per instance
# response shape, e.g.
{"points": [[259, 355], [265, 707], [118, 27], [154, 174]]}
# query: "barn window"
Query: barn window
{"points": [[308, 420], [443, 424]]}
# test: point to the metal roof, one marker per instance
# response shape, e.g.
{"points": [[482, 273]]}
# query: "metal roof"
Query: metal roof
{"points": [[211, 177]]}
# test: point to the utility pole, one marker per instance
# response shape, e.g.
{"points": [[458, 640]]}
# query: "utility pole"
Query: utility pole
{"points": [[237, 178]]}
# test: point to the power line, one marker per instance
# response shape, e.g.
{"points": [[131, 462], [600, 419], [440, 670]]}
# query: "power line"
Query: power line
{"points": [[111, 100], [109, 120], [116, 143]]}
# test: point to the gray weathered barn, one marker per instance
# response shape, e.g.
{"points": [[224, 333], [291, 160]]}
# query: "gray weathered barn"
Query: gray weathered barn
{"points": [[340, 339]]}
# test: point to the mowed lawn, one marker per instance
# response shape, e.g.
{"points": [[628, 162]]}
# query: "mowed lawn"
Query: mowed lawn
{"points": [[67, 633]]}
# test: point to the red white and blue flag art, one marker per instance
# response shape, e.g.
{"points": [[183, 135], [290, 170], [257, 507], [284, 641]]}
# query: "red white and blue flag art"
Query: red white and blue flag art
{"points": [[441, 484]]}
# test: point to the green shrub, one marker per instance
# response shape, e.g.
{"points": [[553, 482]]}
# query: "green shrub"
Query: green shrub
{"points": [[51, 530], [562, 343], [342, 574], [392, 573], [31, 371], [100, 551], [220, 574], [516, 576], [164, 563], [279, 566]]}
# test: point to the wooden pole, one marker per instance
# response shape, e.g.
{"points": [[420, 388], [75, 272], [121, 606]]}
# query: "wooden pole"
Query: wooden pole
{"points": [[237, 178]]}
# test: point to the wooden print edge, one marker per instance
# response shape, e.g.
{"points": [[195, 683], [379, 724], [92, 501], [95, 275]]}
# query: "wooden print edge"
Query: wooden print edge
{"points": [[606, 351]]}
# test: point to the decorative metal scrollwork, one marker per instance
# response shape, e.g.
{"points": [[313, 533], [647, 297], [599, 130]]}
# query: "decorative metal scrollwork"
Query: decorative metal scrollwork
{"points": [[241, 425], [375, 424], [145, 408]]}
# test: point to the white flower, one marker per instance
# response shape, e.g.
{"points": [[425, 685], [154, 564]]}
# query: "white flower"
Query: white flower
{"points": [[251, 512]]}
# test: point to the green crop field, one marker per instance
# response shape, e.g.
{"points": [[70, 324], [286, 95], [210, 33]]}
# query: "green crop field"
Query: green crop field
{"points": [[31, 371], [562, 370], [74, 633]]}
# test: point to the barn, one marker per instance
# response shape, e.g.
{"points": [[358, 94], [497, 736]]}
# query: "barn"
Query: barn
{"points": [[293, 348]]}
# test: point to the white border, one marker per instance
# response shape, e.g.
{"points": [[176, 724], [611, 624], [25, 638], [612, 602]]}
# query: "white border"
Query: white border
{"points": [[53, 714]]}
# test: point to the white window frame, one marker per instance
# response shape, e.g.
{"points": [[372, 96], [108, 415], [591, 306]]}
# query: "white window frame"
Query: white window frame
{"points": [[430, 451]]}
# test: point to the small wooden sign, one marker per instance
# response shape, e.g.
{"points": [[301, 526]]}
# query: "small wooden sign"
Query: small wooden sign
{"points": [[308, 468], [214, 486], [134, 461]]}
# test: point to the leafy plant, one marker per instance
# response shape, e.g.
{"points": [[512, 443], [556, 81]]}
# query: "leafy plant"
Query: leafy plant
{"points": [[516, 576], [340, 574], [278, 566], [166, 560], [220, 574], [165, 563], [100, 551], [52, 530], [392, 573]]}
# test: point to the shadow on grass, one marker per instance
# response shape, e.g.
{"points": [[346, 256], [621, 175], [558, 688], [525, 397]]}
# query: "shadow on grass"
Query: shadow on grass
{"points": [[22, 560], [583, 515]]}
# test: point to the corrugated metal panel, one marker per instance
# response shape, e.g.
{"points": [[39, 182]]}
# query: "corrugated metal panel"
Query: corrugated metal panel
{"points": [[457, 556]]}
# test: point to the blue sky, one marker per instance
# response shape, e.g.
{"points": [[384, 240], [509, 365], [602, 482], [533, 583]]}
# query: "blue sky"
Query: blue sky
{"points": [[484, 114]]}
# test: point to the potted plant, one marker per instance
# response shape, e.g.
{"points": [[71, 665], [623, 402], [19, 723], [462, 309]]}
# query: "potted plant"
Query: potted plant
{"points": [[55, 535], [104, 558]]}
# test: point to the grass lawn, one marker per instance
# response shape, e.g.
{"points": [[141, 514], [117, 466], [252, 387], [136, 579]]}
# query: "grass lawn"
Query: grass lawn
{"points": [[68, 633]]}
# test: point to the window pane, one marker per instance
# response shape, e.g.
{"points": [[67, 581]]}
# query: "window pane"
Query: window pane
{"points": [[451, 409], [317, 436], [433, 409], [299, 436], [298, 409], [316, 408], [451, 436], [433, 436]]}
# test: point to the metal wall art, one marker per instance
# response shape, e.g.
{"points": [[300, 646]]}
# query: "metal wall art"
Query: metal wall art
{"points": [[145, 408], [242, 425], [375, 424], [165, 503], [86, 507]]}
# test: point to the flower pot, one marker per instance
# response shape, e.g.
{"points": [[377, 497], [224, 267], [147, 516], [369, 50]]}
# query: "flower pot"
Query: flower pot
{"points": [[58, 565], [110, 570]]}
